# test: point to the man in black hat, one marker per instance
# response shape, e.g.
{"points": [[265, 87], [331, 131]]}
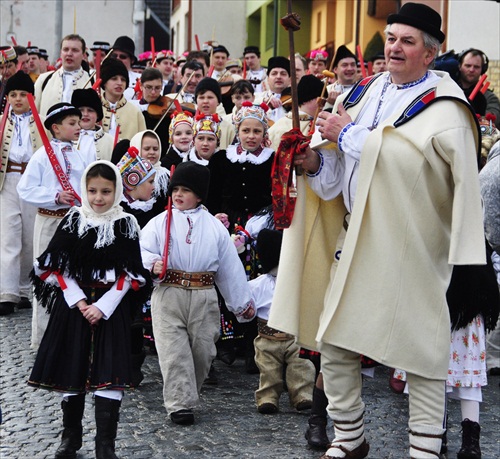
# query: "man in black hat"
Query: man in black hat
{"points": [[344, 67], [406, 155], [278, 80], [255, 73], [33, 62], [124, 50], [220, 56], [378, 63], [58, 86]]}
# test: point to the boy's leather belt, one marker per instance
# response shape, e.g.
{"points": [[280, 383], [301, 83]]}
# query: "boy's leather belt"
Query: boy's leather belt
{"points": [[183, 279], [59, 213], [16, 167], [271, 333]]}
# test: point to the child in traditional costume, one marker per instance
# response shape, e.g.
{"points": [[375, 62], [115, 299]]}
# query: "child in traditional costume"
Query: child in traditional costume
{"points": [[206, 140], [276, 352], [93, 139], [240, 187], [20, 139], [86, 279], [184, 308], [42, 186], [180, 134]]}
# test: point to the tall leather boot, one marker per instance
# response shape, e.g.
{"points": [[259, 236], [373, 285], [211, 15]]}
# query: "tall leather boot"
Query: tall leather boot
{"points": [[136, 362], [72, 423], [316, 432], [107, 413], [470, 440]]}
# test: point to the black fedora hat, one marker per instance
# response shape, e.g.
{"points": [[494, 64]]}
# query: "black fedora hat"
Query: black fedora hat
{"points": [[421, 17]]}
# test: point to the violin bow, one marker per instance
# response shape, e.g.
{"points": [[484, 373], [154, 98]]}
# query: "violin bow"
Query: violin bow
{"points": [[173, 101], [2, 126]]}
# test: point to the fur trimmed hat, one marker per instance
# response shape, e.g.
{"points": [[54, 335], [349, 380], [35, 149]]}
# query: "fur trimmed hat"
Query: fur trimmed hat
{"points": [[20, 81], [193, 176], [134, 169], [88, 98], [112, 67], [269, 248], [59, 111], [278, 62], [208, 84], [309, 88]]}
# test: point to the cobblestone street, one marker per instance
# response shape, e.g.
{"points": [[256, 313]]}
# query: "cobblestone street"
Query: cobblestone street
{"points": [[227, 422]]}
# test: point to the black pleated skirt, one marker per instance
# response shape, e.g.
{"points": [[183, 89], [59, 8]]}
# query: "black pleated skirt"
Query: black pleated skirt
{"points": [[75, 356]]}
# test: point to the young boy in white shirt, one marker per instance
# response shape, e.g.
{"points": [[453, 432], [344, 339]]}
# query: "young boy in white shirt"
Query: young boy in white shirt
{"points": [[184, 306]]}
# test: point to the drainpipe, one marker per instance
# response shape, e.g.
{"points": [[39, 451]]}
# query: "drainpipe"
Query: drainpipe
{"points": [[138, 17]]}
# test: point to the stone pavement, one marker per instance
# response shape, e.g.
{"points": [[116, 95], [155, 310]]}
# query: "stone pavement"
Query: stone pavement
{"points": [[227, 423]]}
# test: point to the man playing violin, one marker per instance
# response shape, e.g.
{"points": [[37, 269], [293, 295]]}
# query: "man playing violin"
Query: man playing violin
{"points": [[153, 105], [255, 73]]}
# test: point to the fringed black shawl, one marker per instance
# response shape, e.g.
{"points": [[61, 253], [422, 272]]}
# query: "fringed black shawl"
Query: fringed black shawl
{"points": [[77, 257], [473, 290]]}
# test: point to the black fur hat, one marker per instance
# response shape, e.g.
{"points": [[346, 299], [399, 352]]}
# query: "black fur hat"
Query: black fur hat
{"points": [[87, 98], [269, 248], [208, 84], [112, 67], [20, 81], [278, 62], [309, 88], [193, 176]]}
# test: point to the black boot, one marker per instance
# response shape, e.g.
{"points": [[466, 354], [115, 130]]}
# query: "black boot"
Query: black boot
{"points": [[316, 432], [136, 363], [470, 440], [72, 423], [106, 418]]}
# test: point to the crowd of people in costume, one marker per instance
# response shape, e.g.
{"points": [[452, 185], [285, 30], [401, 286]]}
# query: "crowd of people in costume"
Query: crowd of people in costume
{"points": [[195, 208]]}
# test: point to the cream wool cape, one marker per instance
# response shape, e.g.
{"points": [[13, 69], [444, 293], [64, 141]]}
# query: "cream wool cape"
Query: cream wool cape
{"points": [[417, 212]]}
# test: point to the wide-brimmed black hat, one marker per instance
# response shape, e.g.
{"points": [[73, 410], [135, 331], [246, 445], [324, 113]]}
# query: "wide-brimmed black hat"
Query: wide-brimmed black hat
{"points": [[309, 88], [20, 81], [87, 98], [342, 53], [421, 17], [127, 45], [58, 111], [193, 176], [278, 62]]}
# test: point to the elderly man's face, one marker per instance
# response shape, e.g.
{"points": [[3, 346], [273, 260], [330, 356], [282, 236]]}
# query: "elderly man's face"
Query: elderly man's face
{"points": [[406, 56]]}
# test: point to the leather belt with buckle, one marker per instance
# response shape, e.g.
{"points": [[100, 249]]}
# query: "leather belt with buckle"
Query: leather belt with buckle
{"points": [[15, 167], [183, 279]]}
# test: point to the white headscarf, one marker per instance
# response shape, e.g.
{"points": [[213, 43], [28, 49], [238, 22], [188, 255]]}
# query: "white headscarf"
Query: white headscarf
{"points": [[103, 222]]}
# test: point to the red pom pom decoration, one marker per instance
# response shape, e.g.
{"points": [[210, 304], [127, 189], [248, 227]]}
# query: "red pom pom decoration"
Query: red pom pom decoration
{"points": [[133, 151]]}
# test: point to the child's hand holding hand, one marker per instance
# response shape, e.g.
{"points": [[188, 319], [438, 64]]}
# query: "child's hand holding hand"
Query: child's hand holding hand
{"points": [[66, 197], [223, 218], [158, 267], [248, 314], [93, 314]]}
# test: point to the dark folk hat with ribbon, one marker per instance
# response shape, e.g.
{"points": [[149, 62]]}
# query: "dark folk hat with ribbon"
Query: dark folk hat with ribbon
{"points": [[58, 112], [421, 17]]}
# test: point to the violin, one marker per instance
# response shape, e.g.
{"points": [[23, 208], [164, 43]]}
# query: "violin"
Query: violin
{"points": [[163, 105], [226, 83]]}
